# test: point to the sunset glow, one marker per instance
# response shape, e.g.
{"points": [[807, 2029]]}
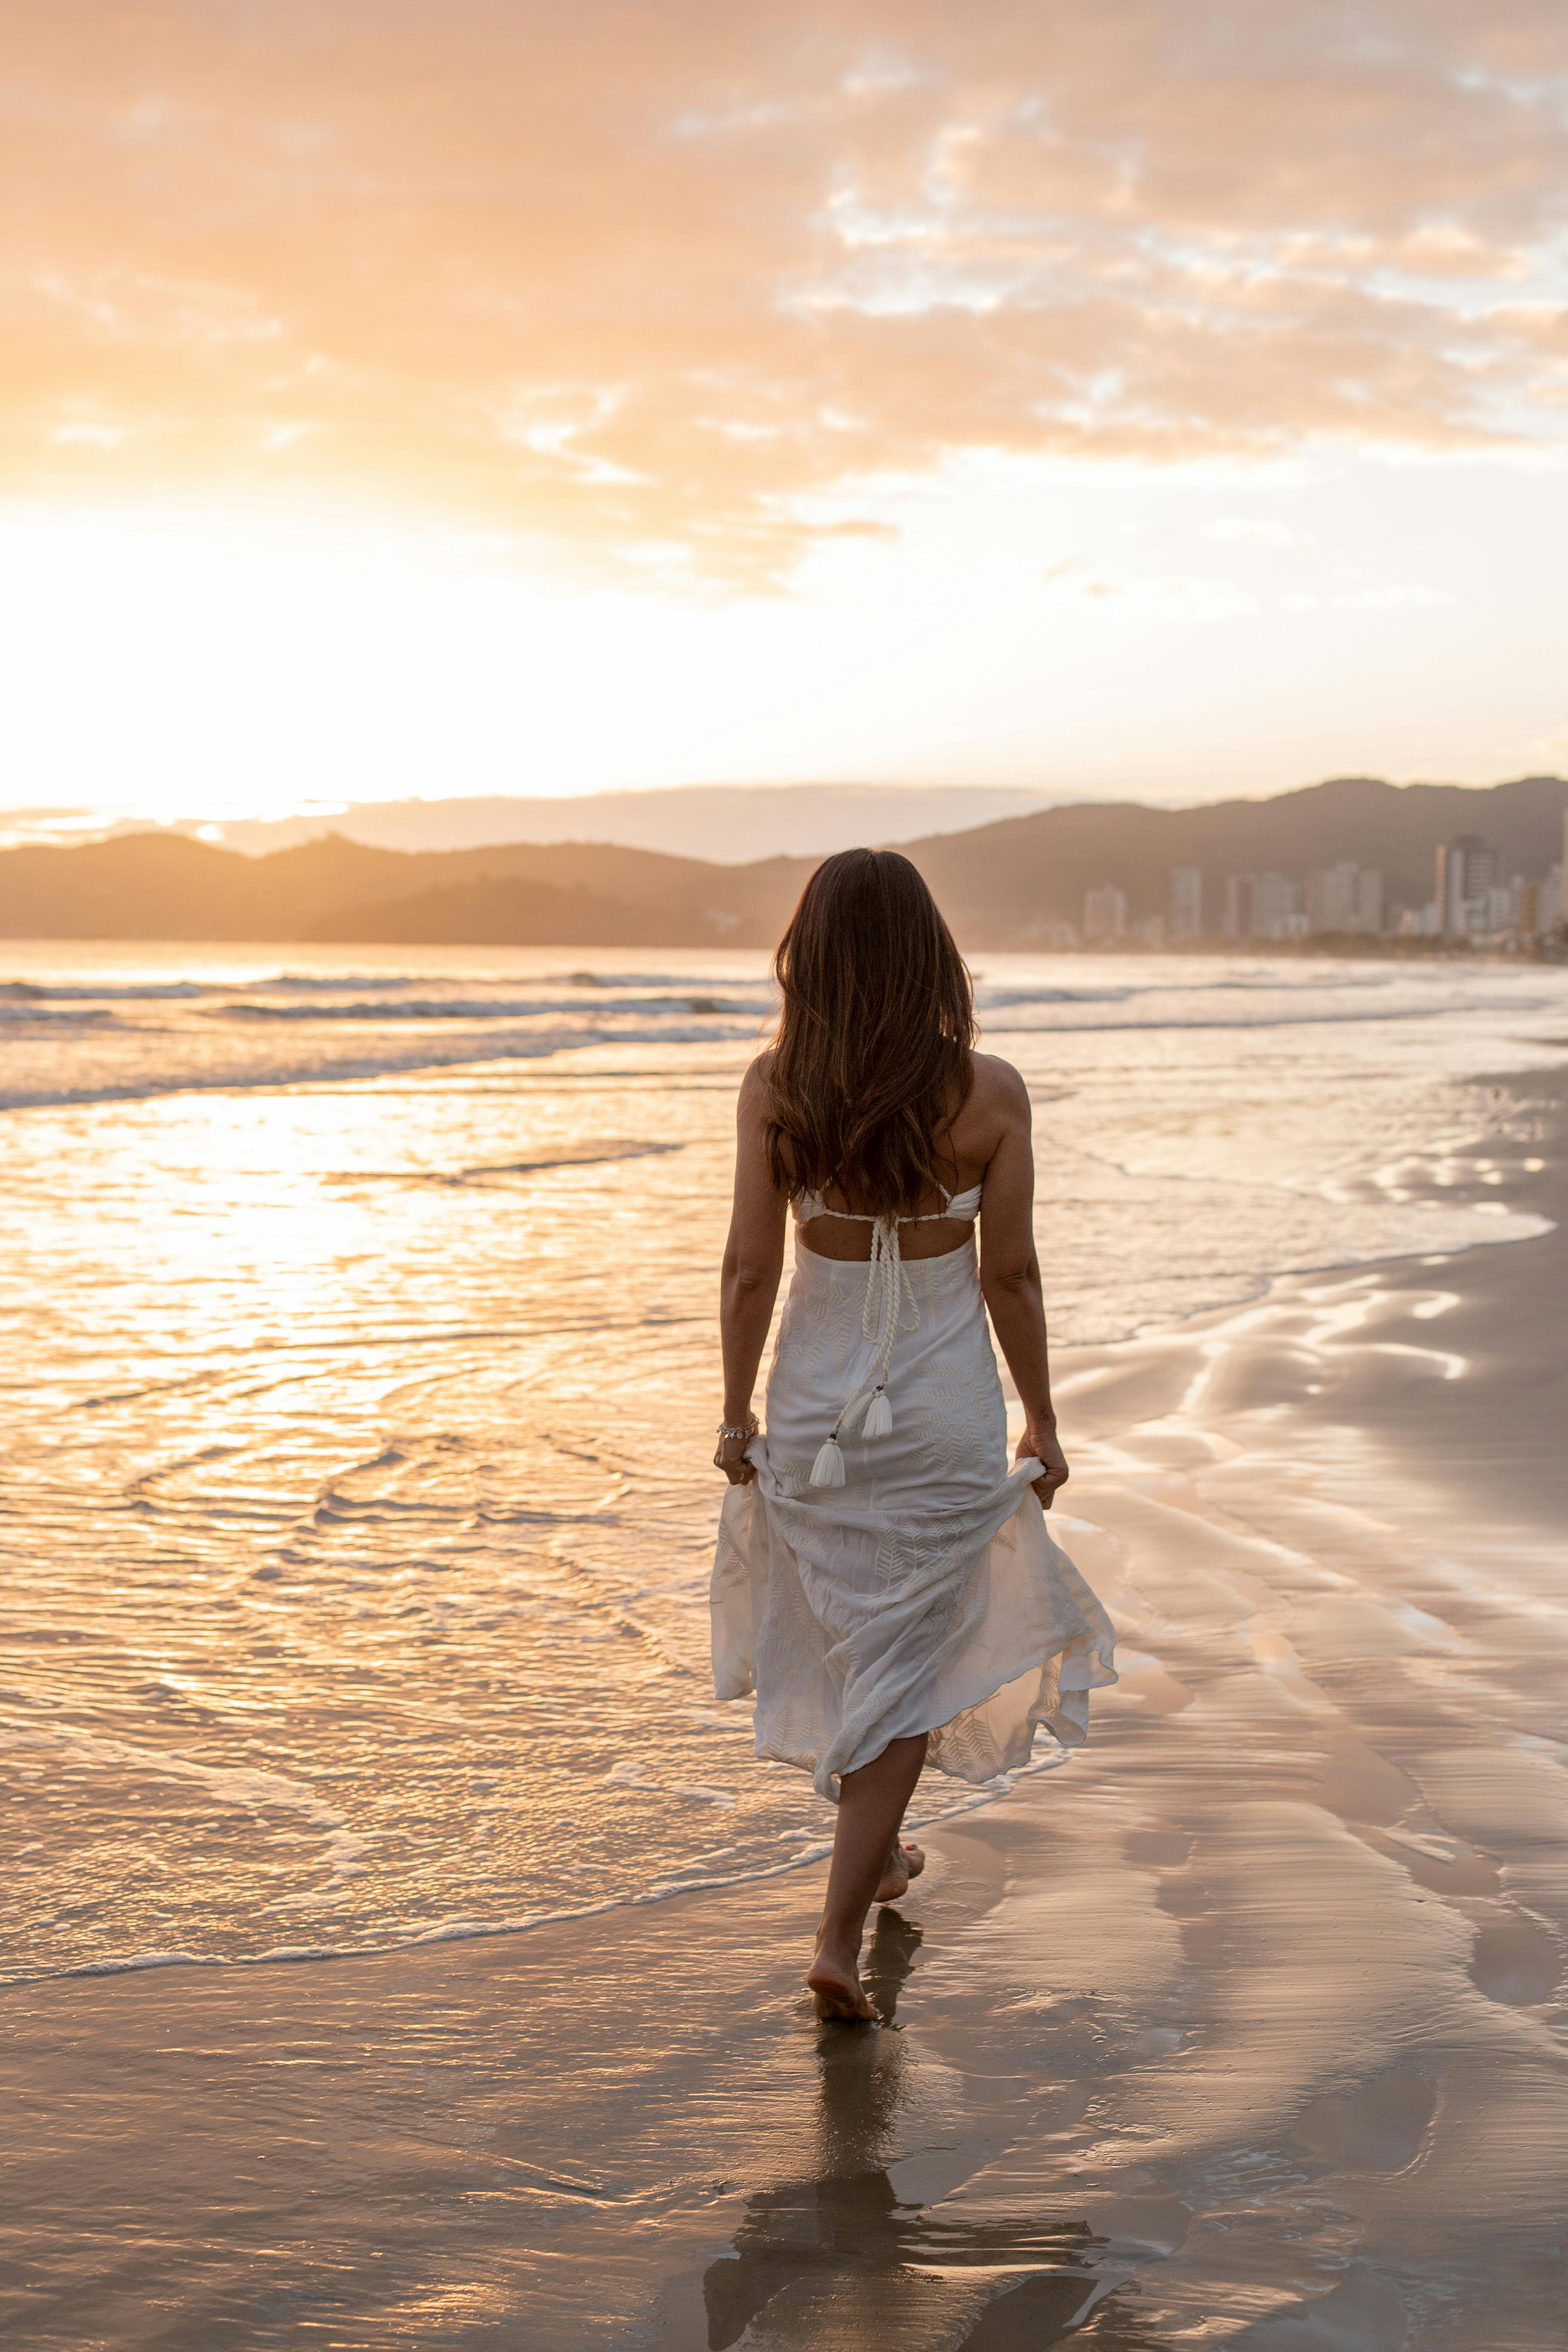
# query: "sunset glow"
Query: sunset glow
{"points": [[427, 399]]}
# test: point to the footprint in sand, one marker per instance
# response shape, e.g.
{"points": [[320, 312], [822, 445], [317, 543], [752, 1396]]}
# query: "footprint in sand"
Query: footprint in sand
{"points": [[1515, 1962], [1366, 2313], [1379, 2128], [1512, 1960], [1027, 2318]]}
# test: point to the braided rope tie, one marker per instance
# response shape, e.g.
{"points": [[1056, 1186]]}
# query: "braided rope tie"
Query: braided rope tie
{"points": [[889, 1292]]}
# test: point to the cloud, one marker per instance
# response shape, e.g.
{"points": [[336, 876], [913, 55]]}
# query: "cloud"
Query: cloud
{"points": [[1391, 596], [1254, 530], [693, 278]]}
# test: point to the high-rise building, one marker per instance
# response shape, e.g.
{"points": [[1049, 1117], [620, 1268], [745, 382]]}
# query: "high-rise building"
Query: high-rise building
{"points": [[1278, 912], [1344, 898], [1331, 898], [1466, 870], [1264, 907], [1104, 913], [1186, 902]]}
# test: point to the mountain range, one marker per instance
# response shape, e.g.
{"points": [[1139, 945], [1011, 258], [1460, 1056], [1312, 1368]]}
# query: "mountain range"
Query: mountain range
{"points": [[1001, 884], [727, 824]]}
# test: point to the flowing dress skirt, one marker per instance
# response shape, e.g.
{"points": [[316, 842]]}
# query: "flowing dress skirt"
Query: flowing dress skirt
{"points": [[925, 1593]]}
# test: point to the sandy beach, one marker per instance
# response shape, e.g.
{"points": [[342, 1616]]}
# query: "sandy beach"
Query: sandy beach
{"points": [[1243, 2025]]}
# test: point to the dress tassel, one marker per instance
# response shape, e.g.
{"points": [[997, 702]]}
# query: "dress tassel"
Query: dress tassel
{"points": [[878, 1415], [827, 1470]]}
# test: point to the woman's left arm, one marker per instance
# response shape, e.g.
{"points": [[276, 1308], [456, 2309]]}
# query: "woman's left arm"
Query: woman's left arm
{"points": [[754, 1261]]}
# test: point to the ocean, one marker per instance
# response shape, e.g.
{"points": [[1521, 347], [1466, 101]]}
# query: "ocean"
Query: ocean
{"points": [[361, 1374]]}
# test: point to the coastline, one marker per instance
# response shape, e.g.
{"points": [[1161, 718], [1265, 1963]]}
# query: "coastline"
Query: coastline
{"points": [[1243, 2024], [1493, 1435]]}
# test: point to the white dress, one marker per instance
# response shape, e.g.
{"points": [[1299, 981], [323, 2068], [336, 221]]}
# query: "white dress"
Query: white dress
{"points": [[923, 1592]]}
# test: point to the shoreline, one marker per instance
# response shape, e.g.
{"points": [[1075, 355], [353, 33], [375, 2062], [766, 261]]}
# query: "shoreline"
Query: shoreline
{"points": [[1510, 1402], [1247, 2017], [1374, 947]]}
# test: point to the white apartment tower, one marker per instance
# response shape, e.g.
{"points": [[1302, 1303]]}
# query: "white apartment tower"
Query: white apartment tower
{"points": [[1345, 897], [1467, 872], [1264, 907], [1105, 913], [1186, 902]]}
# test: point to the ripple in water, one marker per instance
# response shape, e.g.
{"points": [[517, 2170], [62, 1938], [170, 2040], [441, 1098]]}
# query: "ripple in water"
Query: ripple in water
{"points": [[363, 1390]]}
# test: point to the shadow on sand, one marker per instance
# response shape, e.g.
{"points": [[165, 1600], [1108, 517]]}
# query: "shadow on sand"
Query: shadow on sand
{"points": [[824, 2258]]}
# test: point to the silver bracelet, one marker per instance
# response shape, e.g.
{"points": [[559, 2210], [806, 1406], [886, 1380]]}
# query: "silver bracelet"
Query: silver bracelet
{"points": [[725, 1431]]}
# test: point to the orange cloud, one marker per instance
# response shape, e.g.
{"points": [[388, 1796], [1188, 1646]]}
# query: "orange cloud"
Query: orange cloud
{"points": [[672, 281]]}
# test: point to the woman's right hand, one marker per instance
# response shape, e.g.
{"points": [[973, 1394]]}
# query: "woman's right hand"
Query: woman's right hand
{"points": [[1040, 1440], [729, 1456]]}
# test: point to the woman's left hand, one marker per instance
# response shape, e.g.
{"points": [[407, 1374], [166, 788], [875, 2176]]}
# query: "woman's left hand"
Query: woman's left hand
{"points": [[1040, 1440], [731, 1457]]}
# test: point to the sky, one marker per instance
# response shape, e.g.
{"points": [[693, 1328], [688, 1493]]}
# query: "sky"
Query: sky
{"points": [[1162, 398]]}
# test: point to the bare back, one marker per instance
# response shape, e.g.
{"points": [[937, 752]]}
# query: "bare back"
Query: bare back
{"points": [[996, 1112]]}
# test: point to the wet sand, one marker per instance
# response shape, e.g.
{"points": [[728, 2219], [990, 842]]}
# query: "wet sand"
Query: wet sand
{"points": [[1244, 2025]]}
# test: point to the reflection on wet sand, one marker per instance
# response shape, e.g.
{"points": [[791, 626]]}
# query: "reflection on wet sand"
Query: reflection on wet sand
{"points": [[815, 2259]]}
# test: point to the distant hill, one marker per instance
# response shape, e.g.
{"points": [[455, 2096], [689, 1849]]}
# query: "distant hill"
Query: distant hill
{"points": [[504, 912], [731, 824], [1001, 885], [163, 886]]}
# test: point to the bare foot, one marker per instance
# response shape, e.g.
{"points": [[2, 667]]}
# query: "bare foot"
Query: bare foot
{"points": [[905, 1861], [837, 1991]]}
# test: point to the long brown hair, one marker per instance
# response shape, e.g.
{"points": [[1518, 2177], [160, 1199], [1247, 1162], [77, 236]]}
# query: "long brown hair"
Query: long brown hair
{"points": [[872, 1059]]}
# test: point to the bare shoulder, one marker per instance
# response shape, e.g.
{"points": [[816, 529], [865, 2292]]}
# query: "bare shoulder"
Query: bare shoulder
{"points": [[999, 1097], [997, 1111]]}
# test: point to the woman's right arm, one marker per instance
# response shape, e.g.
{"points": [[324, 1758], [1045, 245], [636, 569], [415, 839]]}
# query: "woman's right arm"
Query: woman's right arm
{"points": [[754, 1261], [1010, 1279]]}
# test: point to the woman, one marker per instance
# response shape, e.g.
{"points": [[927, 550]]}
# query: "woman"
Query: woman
{"points": [[883, 1581]]}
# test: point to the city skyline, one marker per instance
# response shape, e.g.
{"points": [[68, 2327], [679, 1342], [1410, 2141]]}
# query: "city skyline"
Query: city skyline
{"points": [[1470, 901]]}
